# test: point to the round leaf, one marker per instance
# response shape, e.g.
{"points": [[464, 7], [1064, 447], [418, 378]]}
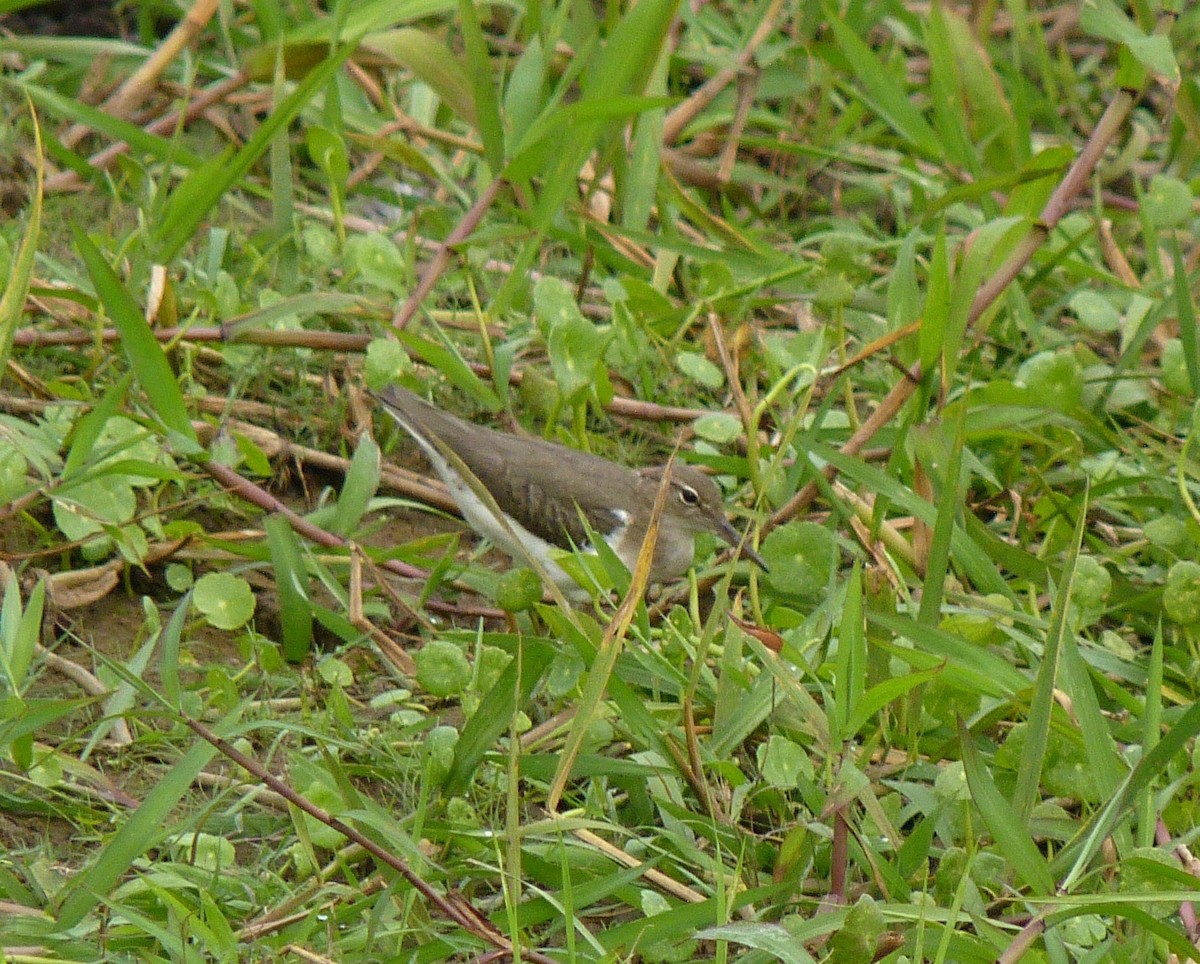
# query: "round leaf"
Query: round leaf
{"points": [[1181, 597], [801, 557], [700, 369], [1094, 311], [518, 590], [224, 599], [1054, 379], [442, 669], [1168, 202], [386, 362], [378, 262], [718, 427]]}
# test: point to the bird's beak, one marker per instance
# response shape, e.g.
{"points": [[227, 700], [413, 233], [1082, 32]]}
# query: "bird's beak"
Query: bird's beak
{"points": [[734, 538]]}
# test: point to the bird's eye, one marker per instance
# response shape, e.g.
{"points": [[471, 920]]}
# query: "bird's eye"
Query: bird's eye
{"points": [[688, 495]]}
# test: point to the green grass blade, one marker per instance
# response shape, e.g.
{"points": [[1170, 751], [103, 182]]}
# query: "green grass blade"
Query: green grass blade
{"points": [[495, 712], [362, 480], [87, 430], [12, 302], [1153, 765], [851, 660], [142, 831], [1034, 755], [948, 509], [160, 148], [483, 86], [883, 91], [145, 355], [1005, 822], [1186, 308], [198, 193], [291, 579]]}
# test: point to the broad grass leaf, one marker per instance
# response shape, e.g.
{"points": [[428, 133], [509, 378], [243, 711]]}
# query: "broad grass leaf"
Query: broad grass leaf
{"points": [[198, 193], [485, 101], [883, 91], [145, 355], [140, 832], [291, 582], [16, 289], [432, 62], [362, 480], [1104, 19], [495, 712], [1006, 825]]}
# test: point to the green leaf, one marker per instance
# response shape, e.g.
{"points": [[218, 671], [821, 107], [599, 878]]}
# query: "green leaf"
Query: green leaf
{"points": [[362, 480], [1006, 826], [1168, 202], [445, 357], [851, 662], [783, 763], [83, 509], [198, 193], [225, 599], [1181, 594], [113, 128], [718, 427], [20, 630], [86, 434], [883, 91], [379, 262], [1047, 683], [432, 62], [328, 152], [291, 580], [620, 69], [494, 715], [576, 345], [1104, 19], [485, 100], [442, 669], [1095, 311], [1189, 331], [143, 830], [16, 287], [801, 557], [145, 355], [700, 369], [386, 362]]}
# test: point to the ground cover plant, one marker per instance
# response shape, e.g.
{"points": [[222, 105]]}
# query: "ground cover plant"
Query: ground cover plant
{"points": [[916, 283]]}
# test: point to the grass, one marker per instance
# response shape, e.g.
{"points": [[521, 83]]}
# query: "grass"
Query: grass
{"points": [[917, 284]]}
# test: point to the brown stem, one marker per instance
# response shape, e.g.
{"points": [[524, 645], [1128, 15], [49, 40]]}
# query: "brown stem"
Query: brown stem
{"points": [[441, 258], [244, 489]]}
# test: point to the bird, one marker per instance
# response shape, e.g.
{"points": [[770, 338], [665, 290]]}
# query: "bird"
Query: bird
{"points": [[546, 490]]}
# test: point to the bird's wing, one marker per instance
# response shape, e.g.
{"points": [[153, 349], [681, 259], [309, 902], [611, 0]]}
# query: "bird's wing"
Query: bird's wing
{"points": [[530, 481]]}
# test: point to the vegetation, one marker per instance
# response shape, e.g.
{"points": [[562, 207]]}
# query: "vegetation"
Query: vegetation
{"points": [[916, 282]]}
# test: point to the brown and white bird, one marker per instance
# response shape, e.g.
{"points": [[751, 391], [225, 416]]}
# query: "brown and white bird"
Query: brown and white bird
{"points": [[543, 489]]}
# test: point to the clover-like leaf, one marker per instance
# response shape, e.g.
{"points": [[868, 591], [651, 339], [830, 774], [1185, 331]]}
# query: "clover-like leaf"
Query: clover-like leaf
{"points": [[378, 261], [1181, 596], [700, 369], [801, 557], [718, 427], [442, 669], [225, 600]]}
